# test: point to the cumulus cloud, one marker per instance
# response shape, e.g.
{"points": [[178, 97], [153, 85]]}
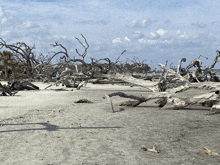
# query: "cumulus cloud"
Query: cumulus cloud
{"points": [[117, 40], [5, 33], [90, 22], [158, 47], [200, 25], [154, 36], [161, 32], [126, 39], [137, 35], [30, 25], [183, 36], [160, 40], [134, 24], [4, 20], [145, 24], [8, 20], [8, 35]]}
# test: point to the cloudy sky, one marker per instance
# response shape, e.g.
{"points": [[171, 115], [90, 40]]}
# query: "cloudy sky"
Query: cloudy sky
{"points": [[155, 30]]}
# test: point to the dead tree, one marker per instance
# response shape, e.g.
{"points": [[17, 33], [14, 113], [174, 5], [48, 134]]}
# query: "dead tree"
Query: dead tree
{"points": [[9, 65], [85, 48], [199, 74], [95, 69], [23, 54]]}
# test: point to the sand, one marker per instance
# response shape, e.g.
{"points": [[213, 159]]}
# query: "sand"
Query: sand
{"points": [[46, 127]]}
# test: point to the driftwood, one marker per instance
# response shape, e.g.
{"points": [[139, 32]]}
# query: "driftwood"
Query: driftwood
{"points": [[169, 101], [209, 152], [6, 89], [17, 85], [154, 149], [83, 83], [165, 90], [153, 86]]}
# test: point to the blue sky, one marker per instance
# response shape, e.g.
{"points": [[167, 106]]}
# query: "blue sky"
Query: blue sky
{"points": [[155, 30]]}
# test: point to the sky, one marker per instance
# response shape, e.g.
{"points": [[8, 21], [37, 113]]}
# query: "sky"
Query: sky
{"points": [[152, 30]]}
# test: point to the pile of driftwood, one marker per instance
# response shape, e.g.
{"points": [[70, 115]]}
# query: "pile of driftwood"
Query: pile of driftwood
{"points": [[21, 66], [13, 87], [171, 82]]}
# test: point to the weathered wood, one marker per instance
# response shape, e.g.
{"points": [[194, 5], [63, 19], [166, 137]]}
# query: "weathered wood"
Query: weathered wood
{"points": [[110, 100], [169, 101], [48, 86], [173, 72], [6, 89], [181, 70], [83, 83], [17, 85], [215, 108], [129, 103], [153, 86]]}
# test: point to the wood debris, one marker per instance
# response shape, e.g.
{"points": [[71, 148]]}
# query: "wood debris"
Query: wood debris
{"points": [[209, 152], [22, 66], [154, 149]]}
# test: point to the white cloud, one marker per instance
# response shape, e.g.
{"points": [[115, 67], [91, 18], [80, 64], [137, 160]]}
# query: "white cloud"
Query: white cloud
{"points": [[134, 24], [91, 22], [30, 25], [117, 40], [161, 32], [8, 20], [9, 35], [178, 31], [154, 36], [5, 33], [141, 40], [137, 35], [126, 39], [171, 36], [4, 20], [183, 36], [147, 23]]}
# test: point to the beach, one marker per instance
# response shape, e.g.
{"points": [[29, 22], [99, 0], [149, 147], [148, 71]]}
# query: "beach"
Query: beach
{"points": [[47, 127]]}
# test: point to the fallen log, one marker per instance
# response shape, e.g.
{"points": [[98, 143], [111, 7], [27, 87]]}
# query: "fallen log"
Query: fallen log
{"points": [[153, 86], [17, 85], [169, 101]]}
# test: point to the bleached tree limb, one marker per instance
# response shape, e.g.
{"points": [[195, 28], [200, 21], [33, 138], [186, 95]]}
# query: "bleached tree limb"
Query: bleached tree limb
{"points": [[181, 70], [153, 86], [110, 100], [86, 48], [169, 101], [174, 73]]}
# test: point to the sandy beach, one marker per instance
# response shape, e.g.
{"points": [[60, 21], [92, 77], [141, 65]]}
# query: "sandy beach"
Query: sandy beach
{"points": [[47, 127]]}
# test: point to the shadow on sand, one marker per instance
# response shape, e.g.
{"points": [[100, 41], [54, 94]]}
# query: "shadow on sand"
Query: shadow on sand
{"points": [[50, 127]]}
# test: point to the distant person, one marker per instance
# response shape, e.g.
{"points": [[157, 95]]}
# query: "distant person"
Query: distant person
{"points": [[58, 76]]}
